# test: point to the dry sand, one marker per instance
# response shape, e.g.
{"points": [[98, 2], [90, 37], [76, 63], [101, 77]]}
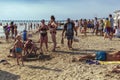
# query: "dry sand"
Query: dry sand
{"points": [[61, 67]]}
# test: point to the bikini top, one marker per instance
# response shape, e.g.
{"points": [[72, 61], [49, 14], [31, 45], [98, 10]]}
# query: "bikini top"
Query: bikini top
{"points": [[43, 30]]}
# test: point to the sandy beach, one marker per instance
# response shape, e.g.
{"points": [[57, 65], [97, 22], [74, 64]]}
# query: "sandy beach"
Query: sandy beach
{"points": [[60, 65]]}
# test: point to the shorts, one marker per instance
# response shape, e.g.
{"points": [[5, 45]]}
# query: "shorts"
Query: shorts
{"points": [[18, 50], [112, 30], [108, 30], [69, 37]]}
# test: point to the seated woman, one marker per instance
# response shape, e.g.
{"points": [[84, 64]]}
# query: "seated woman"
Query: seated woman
{"points": [[29, 46]]}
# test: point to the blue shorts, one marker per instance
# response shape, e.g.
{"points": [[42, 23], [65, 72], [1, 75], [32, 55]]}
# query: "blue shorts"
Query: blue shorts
{"points": [[108, 30], [112, 29], [18, 50], [69, 37]]}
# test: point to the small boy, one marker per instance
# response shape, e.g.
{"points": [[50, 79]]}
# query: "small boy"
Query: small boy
{"points": [[18, 49]]}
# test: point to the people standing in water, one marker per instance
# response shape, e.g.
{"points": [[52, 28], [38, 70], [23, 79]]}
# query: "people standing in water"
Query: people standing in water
{"points": [[18, 49], [6, 31], [69, 27], [30, 26], [15, 30], [53, 26], [12, 29], [43, 35]]}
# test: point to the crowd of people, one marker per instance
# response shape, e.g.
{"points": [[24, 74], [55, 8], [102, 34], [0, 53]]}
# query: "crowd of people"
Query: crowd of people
{"points": [[102, 27]]}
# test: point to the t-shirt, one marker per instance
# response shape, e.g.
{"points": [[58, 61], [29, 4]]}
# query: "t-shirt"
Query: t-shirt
{"points": [[111, 22], [76, 24], [107, 23], [69, 29]]}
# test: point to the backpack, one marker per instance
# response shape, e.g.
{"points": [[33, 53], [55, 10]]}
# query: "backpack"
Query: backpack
{"points": [[101, 55], [69, 30]]}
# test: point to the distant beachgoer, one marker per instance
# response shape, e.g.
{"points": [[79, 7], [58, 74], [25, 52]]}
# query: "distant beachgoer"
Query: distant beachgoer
{"points": [[12, 29], [25, 24], [96, 25], [69, 27], [34, 26], [89, 24], [15, 30], [43, 35], [6, 31], [30, 26], [111, 24], [107, 29], [81, 24], [92, 25], [101, 26], [53, 26], [85, 27], [76, 24], [18, 49], [37, 26]]}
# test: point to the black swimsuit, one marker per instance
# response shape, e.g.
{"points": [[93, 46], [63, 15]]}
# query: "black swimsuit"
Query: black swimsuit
{"points": [[43, 32], [52, 31]]}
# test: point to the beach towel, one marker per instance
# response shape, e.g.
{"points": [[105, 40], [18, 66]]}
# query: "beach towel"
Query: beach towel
{"points": [[109, 62]]}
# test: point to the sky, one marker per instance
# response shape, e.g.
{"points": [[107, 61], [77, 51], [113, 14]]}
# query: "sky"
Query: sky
{"points": [[61, 9]]}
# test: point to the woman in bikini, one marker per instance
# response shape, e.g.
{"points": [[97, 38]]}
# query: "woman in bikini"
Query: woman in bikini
{"points": [[43, 35], [53, 26]]}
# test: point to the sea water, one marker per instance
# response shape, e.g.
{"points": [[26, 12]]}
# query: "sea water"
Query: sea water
{"points": [[20, 28]]}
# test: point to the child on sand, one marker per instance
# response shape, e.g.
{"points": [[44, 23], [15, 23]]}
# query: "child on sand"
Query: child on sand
{"points": [[29, 46], [18, 49]]}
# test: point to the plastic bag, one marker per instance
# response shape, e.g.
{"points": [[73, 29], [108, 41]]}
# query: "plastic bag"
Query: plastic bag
{"points": [[76, 39]]}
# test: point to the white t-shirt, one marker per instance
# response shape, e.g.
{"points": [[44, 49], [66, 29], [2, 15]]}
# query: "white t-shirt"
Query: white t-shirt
{"points": [[76, 24]]}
